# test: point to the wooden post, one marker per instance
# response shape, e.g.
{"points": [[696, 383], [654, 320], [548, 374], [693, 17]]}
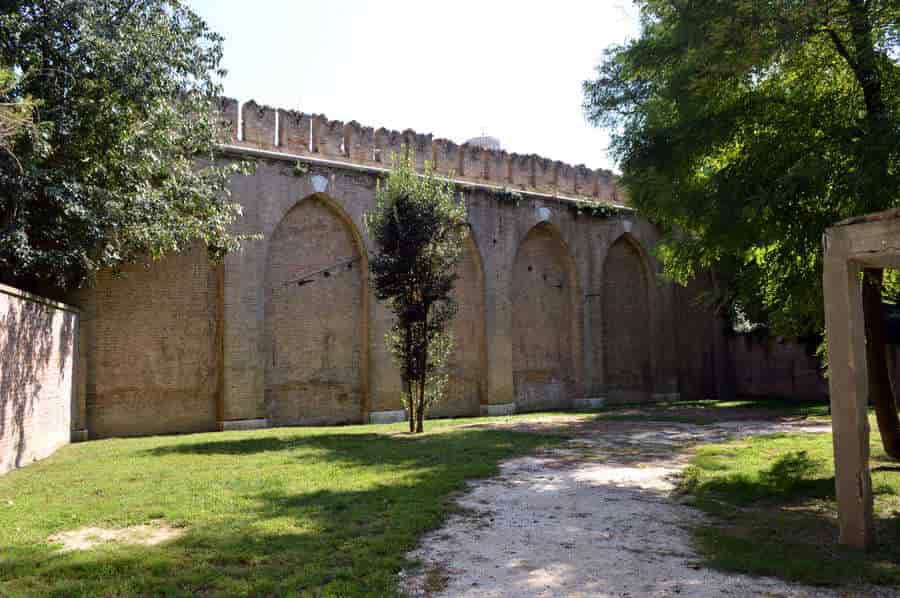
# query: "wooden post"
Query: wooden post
{"points": [[848, 384]]}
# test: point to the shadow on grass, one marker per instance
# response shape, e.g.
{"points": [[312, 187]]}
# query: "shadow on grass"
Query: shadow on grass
{"points": [[707, 412], [791, 478], [799, 546], [634, 444], [781, 522], [887, 468], [335, 516]]}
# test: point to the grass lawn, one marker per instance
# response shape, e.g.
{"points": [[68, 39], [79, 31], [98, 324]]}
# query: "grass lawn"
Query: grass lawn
{"points": [[706, 412], [773, 510], [289, 511]]}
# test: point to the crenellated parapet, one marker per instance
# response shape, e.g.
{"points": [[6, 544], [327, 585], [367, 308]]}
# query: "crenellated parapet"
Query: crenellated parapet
{"points": [[521, 171], [294, 132], [315, 135], [447, 156], [360, 142], [258, 125], [473, 162], [228, 119]]}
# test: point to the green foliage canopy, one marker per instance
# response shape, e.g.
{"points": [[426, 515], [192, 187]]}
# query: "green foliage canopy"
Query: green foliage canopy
{"points": [[16, 116], [747, 128], [419, 227], [120, 163]]}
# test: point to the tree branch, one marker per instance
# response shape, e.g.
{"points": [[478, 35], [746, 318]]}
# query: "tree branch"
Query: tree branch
{"points": [[842, 49]]}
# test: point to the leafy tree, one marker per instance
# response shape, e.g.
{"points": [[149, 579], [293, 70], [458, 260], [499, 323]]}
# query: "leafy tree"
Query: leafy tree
{"points": [[749, 127], [419, 228], [16, 117], [120, 163]]}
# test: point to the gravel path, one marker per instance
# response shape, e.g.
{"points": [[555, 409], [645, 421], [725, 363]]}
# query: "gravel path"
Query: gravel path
{"points": [[592, 518]]}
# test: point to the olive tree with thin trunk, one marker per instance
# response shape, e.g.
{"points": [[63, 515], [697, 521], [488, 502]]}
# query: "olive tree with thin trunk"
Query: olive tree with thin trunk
{"points": [[418, 226]]}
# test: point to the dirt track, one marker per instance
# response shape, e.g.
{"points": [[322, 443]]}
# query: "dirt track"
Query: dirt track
{"points": [[594, 517]]}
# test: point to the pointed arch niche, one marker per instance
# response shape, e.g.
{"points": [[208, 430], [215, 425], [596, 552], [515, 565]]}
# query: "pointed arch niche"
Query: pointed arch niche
{"points": [[544, 321], [627, 317], [468, 364], [315, 317]]}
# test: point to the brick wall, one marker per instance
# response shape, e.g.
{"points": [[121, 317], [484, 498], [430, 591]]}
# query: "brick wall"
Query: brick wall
{"points": [[149, 347], [626, 338], [703, 359], [543, 373], [465, 387], [179, 345], [315, 332], [37, 344], [771, 367]]}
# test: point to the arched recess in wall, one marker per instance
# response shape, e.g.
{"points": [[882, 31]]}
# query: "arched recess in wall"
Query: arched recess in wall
{"points": [[544, 321], [316, 317], [627, 318], [468, 365]]}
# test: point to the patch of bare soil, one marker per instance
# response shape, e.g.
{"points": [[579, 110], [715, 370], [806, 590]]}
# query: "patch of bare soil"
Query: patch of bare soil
{"points": [[594, 517], [86, 538]]}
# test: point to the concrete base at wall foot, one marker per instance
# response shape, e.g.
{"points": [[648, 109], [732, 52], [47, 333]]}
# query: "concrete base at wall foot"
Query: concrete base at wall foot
{"points": [[666, 396], [80, 435], [500, 409], [387, 417], [591, 403], [243, 424]]}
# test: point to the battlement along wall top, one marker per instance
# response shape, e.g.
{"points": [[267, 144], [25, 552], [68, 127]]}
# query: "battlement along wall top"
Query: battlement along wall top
{"points": [[292, 132]]}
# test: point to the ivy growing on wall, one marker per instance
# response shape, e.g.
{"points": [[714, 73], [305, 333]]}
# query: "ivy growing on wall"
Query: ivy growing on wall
{"points": [[595, 210], [507, 195]]}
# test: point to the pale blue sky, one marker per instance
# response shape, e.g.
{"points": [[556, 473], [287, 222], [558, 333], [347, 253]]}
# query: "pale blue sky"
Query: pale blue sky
{"points": [[511, 69]]}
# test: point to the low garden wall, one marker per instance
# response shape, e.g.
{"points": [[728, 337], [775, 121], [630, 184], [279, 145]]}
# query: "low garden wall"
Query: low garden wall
{"points": [[769, 367], [37, 356], [774, 367]]}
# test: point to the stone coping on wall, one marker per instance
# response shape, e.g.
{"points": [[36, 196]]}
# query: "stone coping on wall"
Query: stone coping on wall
{"points": [[387, 417], [243, 424], [498, 409], [16, 292], [292, 133], [588, 403]]}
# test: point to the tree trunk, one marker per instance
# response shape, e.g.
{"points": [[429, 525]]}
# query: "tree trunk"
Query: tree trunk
{"points": [[423, 381], [410, 407], [881, 392], [865, 62], [880, 128], [420, 410], [408, 378]]}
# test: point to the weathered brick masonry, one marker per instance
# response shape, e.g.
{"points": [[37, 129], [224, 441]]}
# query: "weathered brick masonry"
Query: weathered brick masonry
{"points": [[37, 354], [556, 305], [150, 358]]}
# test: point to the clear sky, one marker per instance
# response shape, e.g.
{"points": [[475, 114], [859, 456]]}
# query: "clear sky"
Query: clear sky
{"points": [[507, 68]]}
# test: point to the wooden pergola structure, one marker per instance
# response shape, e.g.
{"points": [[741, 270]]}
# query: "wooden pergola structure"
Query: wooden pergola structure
{"points": [[851, 246]]}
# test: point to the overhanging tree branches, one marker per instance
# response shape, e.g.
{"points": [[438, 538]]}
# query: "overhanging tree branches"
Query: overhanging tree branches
{"points": [[122, 163], [751, 127]]}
